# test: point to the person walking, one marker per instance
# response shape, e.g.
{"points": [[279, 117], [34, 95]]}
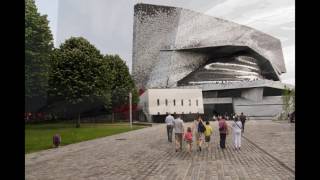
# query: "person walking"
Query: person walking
{"points": [[56, 140], [169, 121], [178, 130], [243, 119], [207, 134], [199, 129], [214, 118], [188, 139], [223, 129], [237, 127]]}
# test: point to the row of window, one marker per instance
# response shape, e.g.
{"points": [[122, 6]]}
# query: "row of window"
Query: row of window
{"points": [[174, 102], [175, 113]]}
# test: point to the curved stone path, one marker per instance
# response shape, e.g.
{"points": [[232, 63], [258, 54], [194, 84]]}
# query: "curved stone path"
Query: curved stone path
{"points": [[146, 154]]}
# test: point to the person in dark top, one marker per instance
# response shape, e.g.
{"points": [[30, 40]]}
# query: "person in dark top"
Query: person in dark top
{"points": [[243, 119], [223, 129], [56, 140], [292, 117]]}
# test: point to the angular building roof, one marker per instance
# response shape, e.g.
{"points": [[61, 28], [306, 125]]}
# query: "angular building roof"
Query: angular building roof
{"points": [[240, 85], [170, 43]]}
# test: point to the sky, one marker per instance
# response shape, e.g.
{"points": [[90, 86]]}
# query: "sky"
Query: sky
{"points": [[108, 24]]}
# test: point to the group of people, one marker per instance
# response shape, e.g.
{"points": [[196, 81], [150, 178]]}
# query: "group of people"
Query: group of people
{"points": [[201, 132]]}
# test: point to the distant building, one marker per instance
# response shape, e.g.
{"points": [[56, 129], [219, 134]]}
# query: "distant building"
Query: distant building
{"points": [[237, 67]]}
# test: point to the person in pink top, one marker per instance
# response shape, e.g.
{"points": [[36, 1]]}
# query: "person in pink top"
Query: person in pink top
{"points": [[188, 139]]}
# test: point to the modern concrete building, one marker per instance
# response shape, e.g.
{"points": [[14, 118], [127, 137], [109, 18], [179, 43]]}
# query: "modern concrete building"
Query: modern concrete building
{"points": [[156, 103], [236, 67]]}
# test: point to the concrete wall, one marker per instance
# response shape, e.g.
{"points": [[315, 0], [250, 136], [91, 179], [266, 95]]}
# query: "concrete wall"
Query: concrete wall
{"points": [[253, 94], [268, 108], [217, 100]]}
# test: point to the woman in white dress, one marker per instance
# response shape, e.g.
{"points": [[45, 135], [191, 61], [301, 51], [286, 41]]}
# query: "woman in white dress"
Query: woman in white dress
{"points": [[237, 127]]}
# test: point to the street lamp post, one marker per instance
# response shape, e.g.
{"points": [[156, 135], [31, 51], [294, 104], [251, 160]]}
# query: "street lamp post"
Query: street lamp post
{"points": [[130, 106]]}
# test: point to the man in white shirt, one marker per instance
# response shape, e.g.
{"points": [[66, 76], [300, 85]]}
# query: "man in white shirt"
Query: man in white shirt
{"points": [[169, 121], [178, 130]]}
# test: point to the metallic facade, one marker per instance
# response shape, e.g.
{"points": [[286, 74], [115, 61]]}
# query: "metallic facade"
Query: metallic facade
{"points": [[170, 43]]}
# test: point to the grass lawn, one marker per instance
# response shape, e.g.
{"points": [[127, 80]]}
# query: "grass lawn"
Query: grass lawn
{"points": [[39, 136]]}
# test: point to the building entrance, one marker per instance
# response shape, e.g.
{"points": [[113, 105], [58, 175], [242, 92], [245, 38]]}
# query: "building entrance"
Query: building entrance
{"points": [[217, 109]]}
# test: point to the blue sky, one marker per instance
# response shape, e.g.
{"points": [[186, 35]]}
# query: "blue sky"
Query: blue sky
{"points": [[108, 23]]}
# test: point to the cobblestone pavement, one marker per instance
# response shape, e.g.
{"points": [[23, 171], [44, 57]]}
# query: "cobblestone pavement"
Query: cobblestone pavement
{"points": [[146, 154], [277, 138]]}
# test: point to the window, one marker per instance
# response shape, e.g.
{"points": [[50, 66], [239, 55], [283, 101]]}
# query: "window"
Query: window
{"points": [[158, 113], [229, 93], [145, 105], [189, 102], [158, 102], [174, 102], [181, 102], [197, 102], [166, 102], [271, 92]]}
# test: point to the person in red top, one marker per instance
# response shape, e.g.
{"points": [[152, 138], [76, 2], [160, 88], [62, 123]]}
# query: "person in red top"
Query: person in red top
{"points": [[188, 139], [223, 129]]}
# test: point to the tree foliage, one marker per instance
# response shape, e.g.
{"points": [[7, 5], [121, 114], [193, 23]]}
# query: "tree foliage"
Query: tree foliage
{"points": [[80, 73], [77, 72], [38, 47], [288, 98], [122, 82]]}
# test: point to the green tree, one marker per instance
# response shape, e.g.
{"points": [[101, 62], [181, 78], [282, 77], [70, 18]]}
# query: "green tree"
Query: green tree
{"points": [[78, 74], [38, 47], [288, 98], [122, 83]]}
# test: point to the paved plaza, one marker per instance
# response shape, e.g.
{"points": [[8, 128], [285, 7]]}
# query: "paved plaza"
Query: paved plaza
{"points": [[267, 152]]}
